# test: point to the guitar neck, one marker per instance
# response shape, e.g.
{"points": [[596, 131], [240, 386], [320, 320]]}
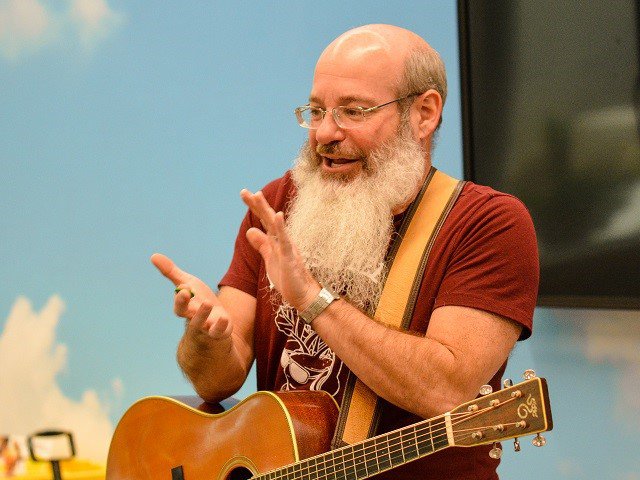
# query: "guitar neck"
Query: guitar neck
{"points": [[515, 411], [370, 457]]}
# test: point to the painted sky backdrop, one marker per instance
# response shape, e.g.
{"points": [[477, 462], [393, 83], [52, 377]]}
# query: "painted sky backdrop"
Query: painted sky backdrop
{"points": [[129, 127]]}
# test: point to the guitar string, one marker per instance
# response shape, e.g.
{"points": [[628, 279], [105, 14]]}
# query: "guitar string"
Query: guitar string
{"points": [[327, 469], [388, 446], [389, 443], [329, 460], [305, 468]]}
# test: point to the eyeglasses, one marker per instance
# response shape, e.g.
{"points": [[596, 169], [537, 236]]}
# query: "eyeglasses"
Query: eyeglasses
{"points": [[345, 117]]}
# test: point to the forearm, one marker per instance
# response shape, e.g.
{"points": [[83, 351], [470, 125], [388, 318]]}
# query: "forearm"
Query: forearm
{"points": [[406, 370], [424, 375], [216, 368]]}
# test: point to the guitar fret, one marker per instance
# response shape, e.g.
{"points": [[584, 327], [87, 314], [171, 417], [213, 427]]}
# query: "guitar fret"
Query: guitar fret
{"points": [[424, 439], [396, 453], [411, 445], [401, 444], [384, 457], [303, 470], [350, 467], [317, 469], [370, 457], [313, 468], [330, 471], [360, 461], [439, 441]]}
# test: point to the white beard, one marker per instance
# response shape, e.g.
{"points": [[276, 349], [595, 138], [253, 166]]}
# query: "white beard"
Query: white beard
{"points": [[343, 227]]}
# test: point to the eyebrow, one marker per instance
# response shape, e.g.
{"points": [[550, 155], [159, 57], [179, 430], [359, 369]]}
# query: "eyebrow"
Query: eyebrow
{"points": [[345, 100]]}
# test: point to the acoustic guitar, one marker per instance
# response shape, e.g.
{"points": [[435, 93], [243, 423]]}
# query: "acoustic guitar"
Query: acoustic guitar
{"points": [[286, 436]]}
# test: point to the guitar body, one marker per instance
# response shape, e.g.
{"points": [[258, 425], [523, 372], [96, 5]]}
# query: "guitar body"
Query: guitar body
{"points": [[163, 438]]}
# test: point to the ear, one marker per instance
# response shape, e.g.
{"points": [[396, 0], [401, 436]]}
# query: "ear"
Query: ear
{"points": [[427, 110]]}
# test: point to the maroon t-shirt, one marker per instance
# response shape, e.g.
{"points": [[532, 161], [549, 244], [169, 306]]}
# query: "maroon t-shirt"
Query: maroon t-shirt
{"points": [[485, 257]]}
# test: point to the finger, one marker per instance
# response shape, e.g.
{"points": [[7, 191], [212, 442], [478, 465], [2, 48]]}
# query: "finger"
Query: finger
{"points": [[260, 207], [199, 318], [183, 306], [183, 286], [283, 239], [259, 240], [169, 269], [218, 325]]}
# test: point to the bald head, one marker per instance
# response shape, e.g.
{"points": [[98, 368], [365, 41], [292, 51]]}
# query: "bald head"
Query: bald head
{"points": [[388, 53]]}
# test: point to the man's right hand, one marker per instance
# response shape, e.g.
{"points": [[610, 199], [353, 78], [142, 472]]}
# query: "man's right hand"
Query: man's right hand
{"points": [[195, 301]]}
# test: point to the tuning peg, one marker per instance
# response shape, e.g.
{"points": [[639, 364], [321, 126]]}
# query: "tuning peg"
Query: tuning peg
{"points": [[486, 389], [507, 383], [539, 441], [495, 452], [529, 374], [516, 444]]}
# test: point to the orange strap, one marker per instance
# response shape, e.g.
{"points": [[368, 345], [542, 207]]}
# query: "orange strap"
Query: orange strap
{"points": [[358, 416]]}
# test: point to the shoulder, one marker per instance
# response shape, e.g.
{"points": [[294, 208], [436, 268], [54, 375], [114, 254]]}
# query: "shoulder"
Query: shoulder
{"points": [[480, 195], [479, 204], [279, 192]]}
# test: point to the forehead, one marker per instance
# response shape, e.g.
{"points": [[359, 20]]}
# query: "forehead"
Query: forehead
{"points": [[365, 71], [342, 87]]}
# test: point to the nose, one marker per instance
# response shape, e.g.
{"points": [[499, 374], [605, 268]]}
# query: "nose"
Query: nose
{"points": [[328, 131]]}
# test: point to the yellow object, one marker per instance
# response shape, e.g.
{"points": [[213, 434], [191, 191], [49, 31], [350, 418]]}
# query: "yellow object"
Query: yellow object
{"points": [[70, 470]]}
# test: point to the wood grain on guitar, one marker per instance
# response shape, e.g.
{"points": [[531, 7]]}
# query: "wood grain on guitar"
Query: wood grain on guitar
{"points": [[286, 436]]}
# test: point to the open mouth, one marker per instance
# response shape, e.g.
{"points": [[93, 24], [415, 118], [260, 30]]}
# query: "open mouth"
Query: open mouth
{"points": [[338, 162]]}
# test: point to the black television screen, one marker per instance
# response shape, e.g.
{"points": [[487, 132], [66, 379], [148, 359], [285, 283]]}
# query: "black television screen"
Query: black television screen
{"points": [[550, 93]]}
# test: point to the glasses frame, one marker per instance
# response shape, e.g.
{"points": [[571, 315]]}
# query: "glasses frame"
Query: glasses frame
{"points": [[334, 112]]}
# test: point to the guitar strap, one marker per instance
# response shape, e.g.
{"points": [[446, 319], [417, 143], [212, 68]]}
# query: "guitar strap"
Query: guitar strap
{"points": [[408, 256]]}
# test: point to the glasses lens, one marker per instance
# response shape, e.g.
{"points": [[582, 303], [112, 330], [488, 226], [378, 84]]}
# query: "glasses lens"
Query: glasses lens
{"points": [[346, 117], [350, 117], [309, 117]]}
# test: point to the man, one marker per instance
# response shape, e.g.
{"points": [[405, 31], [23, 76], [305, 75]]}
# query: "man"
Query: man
{"points": [[375, 105]]}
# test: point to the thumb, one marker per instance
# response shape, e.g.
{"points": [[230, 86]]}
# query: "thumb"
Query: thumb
{"points": [[169, 269], [258, 240]]}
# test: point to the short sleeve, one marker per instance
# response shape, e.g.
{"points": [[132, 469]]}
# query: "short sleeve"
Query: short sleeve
{"points": [[494, 266]]}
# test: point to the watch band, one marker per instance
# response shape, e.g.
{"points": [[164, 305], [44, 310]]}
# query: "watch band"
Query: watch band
{"points": [[322, 301]]}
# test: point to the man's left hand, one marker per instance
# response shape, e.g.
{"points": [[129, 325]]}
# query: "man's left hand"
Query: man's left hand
{"points": [[285, 267]]}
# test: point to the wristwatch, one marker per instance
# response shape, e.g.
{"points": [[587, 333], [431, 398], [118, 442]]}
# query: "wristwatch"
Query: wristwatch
{"points": [[322, 301]]}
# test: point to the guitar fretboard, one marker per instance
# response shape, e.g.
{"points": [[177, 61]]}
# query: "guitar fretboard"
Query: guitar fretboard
{"points": [[369, 457]]}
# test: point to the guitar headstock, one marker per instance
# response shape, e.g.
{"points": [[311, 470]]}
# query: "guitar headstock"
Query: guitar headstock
{"points": [[515, 411]]}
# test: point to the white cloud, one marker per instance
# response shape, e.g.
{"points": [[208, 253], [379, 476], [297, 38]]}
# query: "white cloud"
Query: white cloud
{"points": [[28, 26], [30, 397], [25, 26], [629, 476], [94, 21], [613, 337]]}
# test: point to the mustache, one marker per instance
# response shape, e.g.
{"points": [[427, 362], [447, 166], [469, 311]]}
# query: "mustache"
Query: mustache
{"points": [[334, 148]]}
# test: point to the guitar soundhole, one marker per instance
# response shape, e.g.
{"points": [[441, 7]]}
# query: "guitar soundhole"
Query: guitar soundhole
{"points": [[239, 473]]}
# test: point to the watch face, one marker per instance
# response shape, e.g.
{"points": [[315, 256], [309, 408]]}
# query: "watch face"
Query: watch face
{"points": [[326, 295], [322, 301]]}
